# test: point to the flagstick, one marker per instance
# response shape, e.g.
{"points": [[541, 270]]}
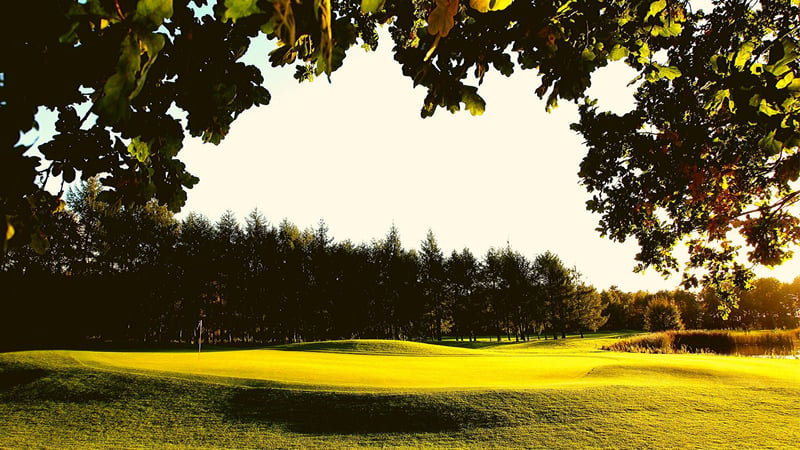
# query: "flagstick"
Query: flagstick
{"points": [[200, 337]]}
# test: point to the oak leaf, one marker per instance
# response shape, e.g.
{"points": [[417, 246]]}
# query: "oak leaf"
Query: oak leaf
{"points": [[441, 20]]}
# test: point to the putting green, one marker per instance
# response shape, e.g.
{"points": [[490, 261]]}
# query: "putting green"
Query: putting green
{"points": [[354, 365]]}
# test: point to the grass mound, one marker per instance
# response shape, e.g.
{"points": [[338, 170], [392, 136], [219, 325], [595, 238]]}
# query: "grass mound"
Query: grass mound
{"points": [[779, 342], [377, 346]]}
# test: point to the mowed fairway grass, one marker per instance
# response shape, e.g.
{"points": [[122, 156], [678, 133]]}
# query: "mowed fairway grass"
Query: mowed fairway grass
{"points": [[542, 394]]}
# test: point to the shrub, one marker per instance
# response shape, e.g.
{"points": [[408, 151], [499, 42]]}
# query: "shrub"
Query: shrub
{"points": [[648, 343], [699, 341], [662, 314], [721, 342], [766, 342]]}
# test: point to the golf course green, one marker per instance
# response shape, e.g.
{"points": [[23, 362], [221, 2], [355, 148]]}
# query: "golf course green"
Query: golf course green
{"points": [[370, 393]]}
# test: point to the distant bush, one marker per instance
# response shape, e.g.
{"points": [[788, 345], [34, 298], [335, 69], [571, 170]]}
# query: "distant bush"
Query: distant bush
{"points": [[718, 341], [662, 314], [648, 343]]}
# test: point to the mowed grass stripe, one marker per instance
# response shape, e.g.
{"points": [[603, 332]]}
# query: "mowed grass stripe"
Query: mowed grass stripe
{"points": [[379, 346]]}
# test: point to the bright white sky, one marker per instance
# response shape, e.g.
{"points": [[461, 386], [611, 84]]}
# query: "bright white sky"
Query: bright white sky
{"points": [[356, 154]]}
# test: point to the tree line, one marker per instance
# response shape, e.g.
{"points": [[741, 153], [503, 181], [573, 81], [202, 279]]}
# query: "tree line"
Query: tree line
{"points": [[137, 275], [770, 304], [710, 150]]}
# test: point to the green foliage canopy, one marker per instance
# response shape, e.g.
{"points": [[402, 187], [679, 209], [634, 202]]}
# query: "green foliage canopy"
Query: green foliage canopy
{"points": [[662, 314], [709, 155], [710, 149]]}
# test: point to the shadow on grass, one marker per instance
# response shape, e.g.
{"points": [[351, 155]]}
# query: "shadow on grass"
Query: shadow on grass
{"points": [[345, 413], [475, 345], [30, 384], [485, 342], [12, 377]]}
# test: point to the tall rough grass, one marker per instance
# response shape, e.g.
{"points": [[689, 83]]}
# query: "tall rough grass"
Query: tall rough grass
{"points": [[779, 342]]}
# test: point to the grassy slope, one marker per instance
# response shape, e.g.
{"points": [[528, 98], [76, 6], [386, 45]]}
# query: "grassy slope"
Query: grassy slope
{"points": [[562, 394]]}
